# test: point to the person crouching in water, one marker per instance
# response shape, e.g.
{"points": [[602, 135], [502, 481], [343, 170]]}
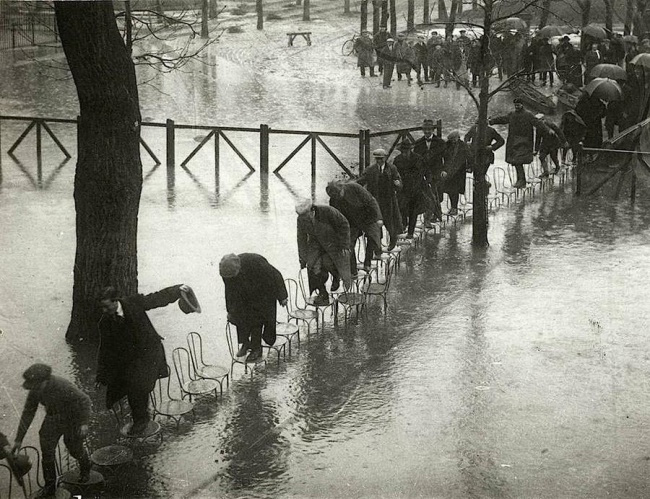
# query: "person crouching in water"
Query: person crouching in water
{"points": [[548, 145], [323, 247]]}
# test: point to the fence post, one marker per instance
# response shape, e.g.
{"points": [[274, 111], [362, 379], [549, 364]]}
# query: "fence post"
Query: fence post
{"points": [[313, 157], [439, 125], [171, 144], [39, 152], [264, 149], [366, 156], [217, 133], [362, 151], [633, 188], [579, 170]]}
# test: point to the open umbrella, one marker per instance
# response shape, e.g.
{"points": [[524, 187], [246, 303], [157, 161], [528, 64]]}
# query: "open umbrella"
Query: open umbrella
{"points": [[551, 31], [642, 60], [513, 23], [630, 39], [611, 71], [604, 89], [595, 31]]}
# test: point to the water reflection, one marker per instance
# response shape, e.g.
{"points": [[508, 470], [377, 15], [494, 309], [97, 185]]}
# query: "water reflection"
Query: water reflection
{"points": [[39, 182]]}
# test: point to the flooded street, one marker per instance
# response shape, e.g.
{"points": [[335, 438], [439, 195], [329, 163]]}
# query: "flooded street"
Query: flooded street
{"points": [[516, 372]]}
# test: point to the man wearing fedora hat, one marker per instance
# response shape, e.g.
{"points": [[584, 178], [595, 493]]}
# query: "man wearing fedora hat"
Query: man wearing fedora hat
{"points": [[412, 196], [67, 413], [254, 287], [323, 247], [131, 354], [383, 181], [431, 149]]}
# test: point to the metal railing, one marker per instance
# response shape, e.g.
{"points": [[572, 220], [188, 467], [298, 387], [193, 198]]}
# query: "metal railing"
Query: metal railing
{"points": [[24, 24]]}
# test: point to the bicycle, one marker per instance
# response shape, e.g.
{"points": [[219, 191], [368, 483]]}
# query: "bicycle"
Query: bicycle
{"points": [[348, 47]]}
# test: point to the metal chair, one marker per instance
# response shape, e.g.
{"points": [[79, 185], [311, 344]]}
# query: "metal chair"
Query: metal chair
{"points": [[288, 331], [505, 192], [168, 405], [279, 347], [191, 385], [512, 176], [294, 311], [203, 370], [231, 339], [493, 198], [32, 480], [353, 298], [309, 301], [151, 434], [380, 288], [68, 475], [7, 483], [534, 179]]}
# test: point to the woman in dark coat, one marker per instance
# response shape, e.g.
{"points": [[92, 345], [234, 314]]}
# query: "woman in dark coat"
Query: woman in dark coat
{"points": [[383, 181], [254, 287], [457, 161], [323, 247], [131, 354], [361, 210]]}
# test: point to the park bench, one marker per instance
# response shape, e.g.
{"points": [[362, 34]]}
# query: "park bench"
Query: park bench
{"points": [[305, 34]]}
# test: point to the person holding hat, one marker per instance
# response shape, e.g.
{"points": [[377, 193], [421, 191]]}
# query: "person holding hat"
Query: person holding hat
{"points": [[67, 414], [361, 210], [431, 149], [323, 247], [254, 287], [365, 53], [548, 145], [383, 181], [519, 145], [131, 354], [412, 196]]}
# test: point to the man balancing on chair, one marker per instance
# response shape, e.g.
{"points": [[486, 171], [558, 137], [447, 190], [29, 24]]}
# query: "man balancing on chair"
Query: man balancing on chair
{"points": [[67, 414], [131, 354]]}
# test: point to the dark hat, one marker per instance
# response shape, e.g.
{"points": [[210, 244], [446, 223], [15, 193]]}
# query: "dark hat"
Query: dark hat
{"points": [[188, 302], [428, 124], [35, 374], [19, 464], [517, 100], [566, 39], [404, 145]]}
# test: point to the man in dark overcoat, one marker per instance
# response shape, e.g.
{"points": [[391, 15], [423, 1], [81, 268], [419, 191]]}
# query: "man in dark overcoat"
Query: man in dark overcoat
{"points": [[548, 145], [388, 57], [421, 58], [323, 247], [379, 44], [361, 210], [493, 141], [131, 354], [519, 146], [431, 149], [365, 53], [457, 162], [254, 287], [414, 185], [592, 111], [384, 182]]}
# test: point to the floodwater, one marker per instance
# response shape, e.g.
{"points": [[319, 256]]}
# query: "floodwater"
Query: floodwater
{"points": [[519, 371]]}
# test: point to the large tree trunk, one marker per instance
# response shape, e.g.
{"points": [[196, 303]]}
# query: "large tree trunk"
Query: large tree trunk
{"points": [[629, 17], [543, 15], [384, 14], [585, 11], [259, 7], [376, 16], [204, 18], [128, 27], [426, 12], [213, 9], [410, 17], [609, 16], [639, 19], [442, 11], [346, 6], [305, 11], [108, 176], [449, 29], [393, 17], [364, 16]]}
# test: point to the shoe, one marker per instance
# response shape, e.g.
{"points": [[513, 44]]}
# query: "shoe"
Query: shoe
{"points": [[556, 171], [453, 212], [520, 184], [366, 269], [428, 225], [49, 491], [387, 86], [138, 428], [409, 83], [336, 283], [392, 245], [255, 355], [372, 75], [409, 236], [544, 175], [242, 351], [322, 300]]}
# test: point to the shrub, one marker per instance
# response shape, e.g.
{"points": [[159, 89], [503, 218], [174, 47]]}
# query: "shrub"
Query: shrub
{"points": [[273, 16], [235, 29]]}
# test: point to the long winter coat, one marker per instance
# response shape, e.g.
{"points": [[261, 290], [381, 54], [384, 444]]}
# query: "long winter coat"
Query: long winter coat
{"points": [[545, 143], [361, 210], [382, 187], [405, 57], [492, 139], [457, 161], [421, 54], [414, 182], [544, 57], [519, 146], [573, 128], [592, 112], [324, 242], [253, 294], [131, 354], [365, 52], [432, 157]]}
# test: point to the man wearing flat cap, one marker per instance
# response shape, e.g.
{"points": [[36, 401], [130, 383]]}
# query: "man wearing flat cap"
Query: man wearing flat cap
{"points": [[253, 289], [361, 210], [520, 142], [67, 413], [383, 181], [323, 247], [131, 354], [431, 149]]}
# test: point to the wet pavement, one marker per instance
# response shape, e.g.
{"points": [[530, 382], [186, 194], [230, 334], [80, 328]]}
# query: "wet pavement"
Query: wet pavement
{"points": [[519, 371]]}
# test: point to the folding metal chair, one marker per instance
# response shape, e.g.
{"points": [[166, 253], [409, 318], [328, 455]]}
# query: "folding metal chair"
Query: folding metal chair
{"points": [[500, 178], [353, 298], [379, 287], [151, 434], [203, 370], [309, 301], [288, 331], [165, 404], [297, 313], [191, 385], [33, 481], [68, 475], [493, 198], [231, 339]]}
